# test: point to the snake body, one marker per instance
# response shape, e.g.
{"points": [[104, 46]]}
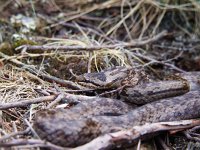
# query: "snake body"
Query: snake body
{"points": [[89, 119]]}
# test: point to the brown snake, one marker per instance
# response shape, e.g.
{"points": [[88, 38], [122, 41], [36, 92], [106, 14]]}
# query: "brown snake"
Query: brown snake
{"points": [[89, 119]]}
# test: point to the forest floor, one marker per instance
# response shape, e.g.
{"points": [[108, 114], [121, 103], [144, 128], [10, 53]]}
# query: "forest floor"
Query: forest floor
{"points": [[41, 41]]}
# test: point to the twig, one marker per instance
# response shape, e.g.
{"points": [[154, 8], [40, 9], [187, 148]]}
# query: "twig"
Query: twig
{"points": [[14, 134], [129, 137], [70, 97], [24, 102], [113, 91], [152, 61], [31, 128], [162, 143], [40, 143], [61, 81], [135, 43], [190, 134], [139, 144], [98, 32], [57, 100]]}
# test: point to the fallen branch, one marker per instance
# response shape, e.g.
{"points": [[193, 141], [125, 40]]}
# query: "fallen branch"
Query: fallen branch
{"points": [[92, 48], [132, 136], [37, 143], [23, 102], [71, 98]]}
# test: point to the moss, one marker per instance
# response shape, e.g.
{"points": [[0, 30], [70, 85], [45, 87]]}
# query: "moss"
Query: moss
{"points": [[6, 48], [20, 42]]}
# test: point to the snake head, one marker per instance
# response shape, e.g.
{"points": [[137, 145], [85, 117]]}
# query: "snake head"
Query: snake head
{"points": [[108, 78]]}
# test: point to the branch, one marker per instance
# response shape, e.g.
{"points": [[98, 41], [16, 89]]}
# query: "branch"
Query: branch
{"points": [[154, 61], [92, 48], [14, 134], [130, 137], [37, 143], [24, 102], [71, 98], [193, 134]]}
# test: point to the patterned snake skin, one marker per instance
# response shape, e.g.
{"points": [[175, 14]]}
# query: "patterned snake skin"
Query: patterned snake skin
{"points": [[89, 119]]}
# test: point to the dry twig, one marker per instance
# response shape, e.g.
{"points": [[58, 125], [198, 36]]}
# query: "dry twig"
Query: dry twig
{"points": [[70, 97], [92, 48], [129, 137], [192, 135], [57, 100], [162, 143], [37, 143], [14, 134], [23, 103], [153, 61]]}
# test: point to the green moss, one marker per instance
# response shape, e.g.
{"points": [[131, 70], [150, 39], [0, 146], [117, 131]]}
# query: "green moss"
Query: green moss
{"points": [[20, 42], [6, 48]]}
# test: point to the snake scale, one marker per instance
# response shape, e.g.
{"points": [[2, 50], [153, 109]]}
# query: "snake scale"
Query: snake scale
{"points": [[171, 100]]}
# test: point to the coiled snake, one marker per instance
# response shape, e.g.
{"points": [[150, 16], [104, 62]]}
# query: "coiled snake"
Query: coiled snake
{"points": [[170, 100]]}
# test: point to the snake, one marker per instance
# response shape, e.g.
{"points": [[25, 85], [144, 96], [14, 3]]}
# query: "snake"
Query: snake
{"points": [[158, 101]]}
